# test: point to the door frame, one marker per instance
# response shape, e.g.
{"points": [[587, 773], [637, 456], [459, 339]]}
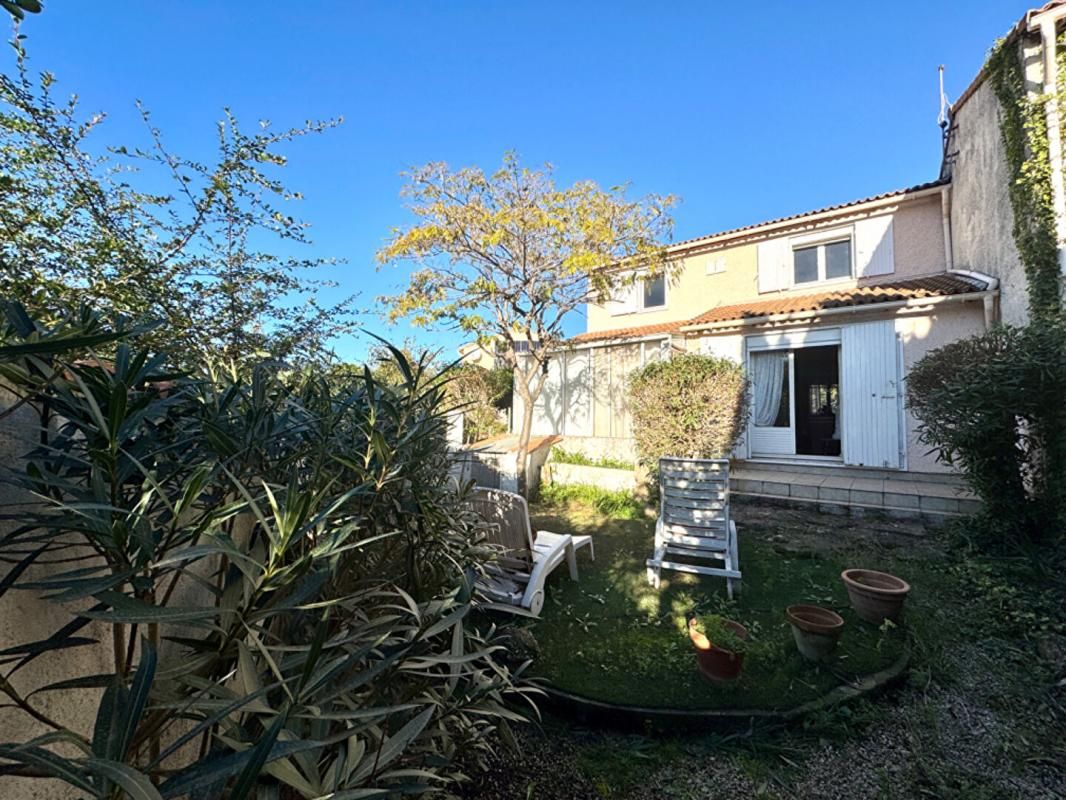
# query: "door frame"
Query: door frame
{"points": [[794, 340]]}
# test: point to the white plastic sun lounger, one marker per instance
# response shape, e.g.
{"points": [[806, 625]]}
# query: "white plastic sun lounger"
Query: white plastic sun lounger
{"points": [[517, 578], [694, 522]]}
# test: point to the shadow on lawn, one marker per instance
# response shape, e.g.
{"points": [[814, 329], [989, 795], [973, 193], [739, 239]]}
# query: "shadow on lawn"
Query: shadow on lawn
{"points": [[612, 637]]}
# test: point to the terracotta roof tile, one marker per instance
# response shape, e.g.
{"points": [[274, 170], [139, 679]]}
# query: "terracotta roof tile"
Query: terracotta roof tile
{"points": [[630, 333], [883, 196], [934, 286]]}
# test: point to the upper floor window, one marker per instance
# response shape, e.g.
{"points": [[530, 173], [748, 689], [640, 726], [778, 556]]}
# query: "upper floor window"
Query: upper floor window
{"points": [[822, 262], [654, 295]]}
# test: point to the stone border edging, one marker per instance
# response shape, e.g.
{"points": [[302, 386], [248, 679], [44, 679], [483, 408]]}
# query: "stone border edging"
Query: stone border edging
{"points": [[672, 719]]}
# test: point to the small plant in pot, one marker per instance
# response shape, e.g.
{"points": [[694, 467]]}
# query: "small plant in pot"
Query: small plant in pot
{"points": [[815, 629], [720, 646], [875, 596]]}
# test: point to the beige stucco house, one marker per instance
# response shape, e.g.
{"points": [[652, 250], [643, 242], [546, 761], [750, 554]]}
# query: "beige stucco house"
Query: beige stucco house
{"points": [[829, 309], [826, 310]]}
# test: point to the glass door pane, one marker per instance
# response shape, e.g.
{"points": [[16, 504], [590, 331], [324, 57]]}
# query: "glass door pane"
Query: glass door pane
{"points": [[772, 376]]}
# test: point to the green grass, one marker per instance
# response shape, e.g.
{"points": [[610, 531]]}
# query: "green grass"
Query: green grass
{"points": [[561, 456], [612, 637], [612, 503]]}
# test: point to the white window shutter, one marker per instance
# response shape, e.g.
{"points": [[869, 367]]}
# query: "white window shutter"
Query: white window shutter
{"points": [[774, 263], [624, 299], [873, 247]]}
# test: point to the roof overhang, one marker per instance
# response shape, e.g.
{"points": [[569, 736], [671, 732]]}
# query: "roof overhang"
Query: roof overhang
{"points": [[810, 219], [914, 304]]}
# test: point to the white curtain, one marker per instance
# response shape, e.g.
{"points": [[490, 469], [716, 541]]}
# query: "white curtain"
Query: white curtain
{"points": [[768, 376]]}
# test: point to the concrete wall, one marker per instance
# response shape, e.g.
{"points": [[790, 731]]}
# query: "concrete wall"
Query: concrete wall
{"points": [[920, 335], [614, 480], [981, 216], [26, 618], [595, 447]]}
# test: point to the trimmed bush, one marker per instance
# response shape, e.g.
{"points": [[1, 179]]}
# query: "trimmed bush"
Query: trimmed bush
{"points": [[992, 406], [690, 406]]}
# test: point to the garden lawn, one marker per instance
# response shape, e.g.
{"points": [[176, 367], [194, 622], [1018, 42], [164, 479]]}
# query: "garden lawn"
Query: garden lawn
{"points": [[612, 637], [981, 715]]}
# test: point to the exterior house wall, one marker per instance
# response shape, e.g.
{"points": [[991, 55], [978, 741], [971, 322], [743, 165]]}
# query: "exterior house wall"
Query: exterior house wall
{"points": [[729, 274], [477, 355], [982, 220], [918, 240], [692, 290], [920, 335]]}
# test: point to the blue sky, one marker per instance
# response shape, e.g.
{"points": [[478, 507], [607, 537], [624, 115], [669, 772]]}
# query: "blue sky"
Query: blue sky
{"points": [[748, 111]]}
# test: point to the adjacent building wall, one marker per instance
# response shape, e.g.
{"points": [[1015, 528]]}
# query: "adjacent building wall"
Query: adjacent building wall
{"points": [[982, 220]]}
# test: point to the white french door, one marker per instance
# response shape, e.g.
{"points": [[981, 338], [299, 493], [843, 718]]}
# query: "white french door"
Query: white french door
{"points": [[772, 429]]}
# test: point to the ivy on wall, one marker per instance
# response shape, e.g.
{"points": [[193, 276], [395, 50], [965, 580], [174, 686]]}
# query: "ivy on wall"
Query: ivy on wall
{"points": [[1025, 139]]}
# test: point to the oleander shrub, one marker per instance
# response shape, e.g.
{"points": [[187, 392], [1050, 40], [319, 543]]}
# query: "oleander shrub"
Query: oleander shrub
{"points": [[690, 405], [282, 565], [992, 407]]}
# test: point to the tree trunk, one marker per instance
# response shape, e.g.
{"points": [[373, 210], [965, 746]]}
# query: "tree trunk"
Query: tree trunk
{"points": [[522, 454]]}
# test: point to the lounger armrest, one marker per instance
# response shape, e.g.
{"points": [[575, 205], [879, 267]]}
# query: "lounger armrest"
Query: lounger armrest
{"points": [[549, 551], [553, 534]]}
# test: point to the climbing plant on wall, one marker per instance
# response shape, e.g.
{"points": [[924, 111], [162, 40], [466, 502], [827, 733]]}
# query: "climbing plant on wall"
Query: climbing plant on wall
{"points": [[1025, 139]]}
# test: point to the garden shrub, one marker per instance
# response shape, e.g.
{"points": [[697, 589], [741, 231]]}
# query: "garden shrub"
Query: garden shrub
{"points": [[481, 394], [690, 406], [992, 406], [284, 566]]}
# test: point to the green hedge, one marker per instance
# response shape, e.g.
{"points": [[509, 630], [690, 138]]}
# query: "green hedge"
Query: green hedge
{"points": [[690, 405]]}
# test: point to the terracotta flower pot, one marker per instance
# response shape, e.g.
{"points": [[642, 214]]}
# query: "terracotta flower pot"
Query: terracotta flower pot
{"points": [[716, 663], [875, 596], [815, 629]]}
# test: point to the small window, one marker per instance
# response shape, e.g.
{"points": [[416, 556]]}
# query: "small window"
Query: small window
{"points": [[822, 262], [654, 292], [716, 266], [806, 260], [838, 260]]}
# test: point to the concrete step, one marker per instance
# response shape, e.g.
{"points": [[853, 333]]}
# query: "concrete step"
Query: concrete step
{"points": [[903, 495], [838, 468]]}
